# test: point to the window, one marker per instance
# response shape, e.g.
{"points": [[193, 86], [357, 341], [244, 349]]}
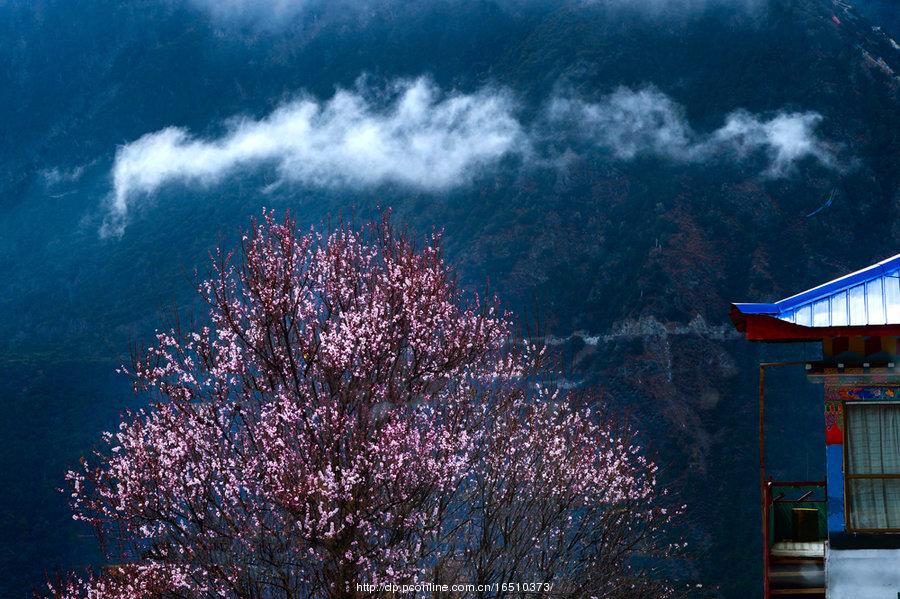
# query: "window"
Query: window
{"points": [[872, 466]]}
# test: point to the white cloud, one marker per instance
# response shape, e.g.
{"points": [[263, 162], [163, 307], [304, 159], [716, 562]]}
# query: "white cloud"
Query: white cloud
{"points": [[668, 7], [626, 123], [55, 176], [629, 123], [270, 12], [424, 139], [277, 12], [786, 138]]}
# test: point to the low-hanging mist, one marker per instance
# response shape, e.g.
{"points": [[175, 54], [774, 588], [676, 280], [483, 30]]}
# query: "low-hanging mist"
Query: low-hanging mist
{"points": [[431, 140]]}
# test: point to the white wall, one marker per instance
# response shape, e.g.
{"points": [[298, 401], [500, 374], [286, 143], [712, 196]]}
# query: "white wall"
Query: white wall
{"points": [[862, 574]]}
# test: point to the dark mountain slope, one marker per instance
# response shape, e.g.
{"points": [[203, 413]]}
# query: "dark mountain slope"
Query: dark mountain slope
{"points": [[639, 258]]}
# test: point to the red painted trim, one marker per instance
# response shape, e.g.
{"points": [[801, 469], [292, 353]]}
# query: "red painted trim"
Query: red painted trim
{"points": [[840, 345], [763, 327], [834, 435], [872, 345]]}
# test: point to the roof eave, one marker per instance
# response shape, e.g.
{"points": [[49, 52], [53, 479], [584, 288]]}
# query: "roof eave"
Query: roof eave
{"points": [[765, 327]]}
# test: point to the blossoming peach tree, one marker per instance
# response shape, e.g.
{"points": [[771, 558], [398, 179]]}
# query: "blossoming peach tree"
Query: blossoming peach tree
{"points": [[349, 417]]}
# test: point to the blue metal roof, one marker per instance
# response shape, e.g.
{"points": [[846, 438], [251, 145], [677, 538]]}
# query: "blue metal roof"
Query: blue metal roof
{"points": [[870, 296]]}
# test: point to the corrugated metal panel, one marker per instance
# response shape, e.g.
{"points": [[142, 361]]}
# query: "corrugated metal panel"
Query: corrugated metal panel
{"points": [[872, 302], [870, 296]]}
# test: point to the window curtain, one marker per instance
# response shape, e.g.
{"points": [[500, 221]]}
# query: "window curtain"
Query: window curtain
{"points": [[873, 436]]}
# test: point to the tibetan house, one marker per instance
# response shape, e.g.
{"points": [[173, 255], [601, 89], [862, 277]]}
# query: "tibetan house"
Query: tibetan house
{"points": [[838, 538]]}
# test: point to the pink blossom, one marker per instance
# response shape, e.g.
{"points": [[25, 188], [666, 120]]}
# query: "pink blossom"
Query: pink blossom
{"points": [[348, 414]]}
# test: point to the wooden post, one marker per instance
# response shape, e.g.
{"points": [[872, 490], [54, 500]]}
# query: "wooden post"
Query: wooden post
{"points": [[763, 486]]}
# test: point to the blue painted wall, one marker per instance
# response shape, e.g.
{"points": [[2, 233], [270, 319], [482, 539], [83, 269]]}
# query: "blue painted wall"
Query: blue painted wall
{"points": [[834, 472]]}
